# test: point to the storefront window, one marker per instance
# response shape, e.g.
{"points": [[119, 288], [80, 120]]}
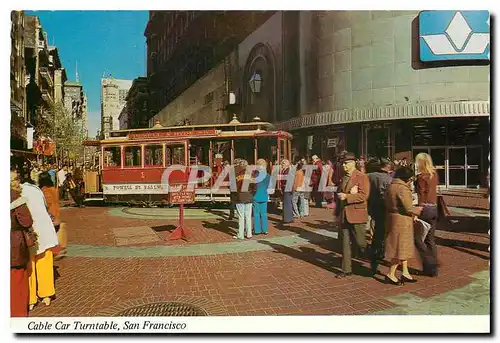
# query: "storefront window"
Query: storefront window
{"points": [[429, 133], [133, 156], [377, 141]]}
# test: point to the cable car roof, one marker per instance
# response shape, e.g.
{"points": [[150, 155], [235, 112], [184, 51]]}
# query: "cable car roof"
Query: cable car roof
{"points": [[157, 127]]}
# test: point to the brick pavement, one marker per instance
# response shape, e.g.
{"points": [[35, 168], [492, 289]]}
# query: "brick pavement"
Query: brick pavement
{"points": [[286, 279]]}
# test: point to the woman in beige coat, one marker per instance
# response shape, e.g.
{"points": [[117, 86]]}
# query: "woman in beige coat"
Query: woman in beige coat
{"points": [[400, 215]]}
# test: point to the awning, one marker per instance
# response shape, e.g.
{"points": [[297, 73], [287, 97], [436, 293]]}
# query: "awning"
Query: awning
{"points": [[25, 153], [90, 142], [410, 111]]}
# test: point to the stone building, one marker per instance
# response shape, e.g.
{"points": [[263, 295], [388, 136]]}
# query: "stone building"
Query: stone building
{"points": [[377, 98], [18, 116], [358, 81], [138, 107], [124, 118], [75, 101], [113, 99], [39, 78], [58, 73], [183, 46]]}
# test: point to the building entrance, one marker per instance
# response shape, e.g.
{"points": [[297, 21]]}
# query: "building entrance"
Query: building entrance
{"points": [[457, 166]]}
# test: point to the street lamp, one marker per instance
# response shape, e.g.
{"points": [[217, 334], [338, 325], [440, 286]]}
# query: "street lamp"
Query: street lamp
{"points": [[255, 82]]}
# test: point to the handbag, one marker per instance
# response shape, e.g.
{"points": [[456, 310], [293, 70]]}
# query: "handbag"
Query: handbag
{"points": [[30, 237]]}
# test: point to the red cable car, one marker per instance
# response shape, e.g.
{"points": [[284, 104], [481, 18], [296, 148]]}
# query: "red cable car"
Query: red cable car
{"points": [[132, 161]]}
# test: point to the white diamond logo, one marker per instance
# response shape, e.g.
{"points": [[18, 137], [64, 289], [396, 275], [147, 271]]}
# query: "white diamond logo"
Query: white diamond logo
{"points": [[458, 30]]}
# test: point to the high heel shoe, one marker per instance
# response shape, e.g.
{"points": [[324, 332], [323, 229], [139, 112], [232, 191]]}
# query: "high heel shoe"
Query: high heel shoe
{"points": [[392, 282], [408, 280], [46, 301]]}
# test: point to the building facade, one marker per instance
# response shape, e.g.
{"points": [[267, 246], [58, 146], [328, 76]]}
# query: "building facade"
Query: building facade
{"points": [[58, 74], [138, 107], [182, 46], [75, 100], [17, 82], [377, 98], [124, 118], [39, 80], [113, 99], [357, 81]]}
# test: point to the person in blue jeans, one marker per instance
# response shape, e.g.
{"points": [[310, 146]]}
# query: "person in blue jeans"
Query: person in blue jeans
{"points": [[260, 199]]}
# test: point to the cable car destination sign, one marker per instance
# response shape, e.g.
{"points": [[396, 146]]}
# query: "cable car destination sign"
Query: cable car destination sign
{"points": [[173, 134]]}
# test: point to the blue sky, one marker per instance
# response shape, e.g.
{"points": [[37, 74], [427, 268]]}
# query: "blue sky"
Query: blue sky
{"points": [[100, 41]]}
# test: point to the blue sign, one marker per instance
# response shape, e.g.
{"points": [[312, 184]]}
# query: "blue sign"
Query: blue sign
{"points": [[454, 35]]}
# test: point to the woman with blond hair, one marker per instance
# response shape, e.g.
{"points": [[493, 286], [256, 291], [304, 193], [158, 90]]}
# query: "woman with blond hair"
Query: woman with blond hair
{"points": [[426, 188]]}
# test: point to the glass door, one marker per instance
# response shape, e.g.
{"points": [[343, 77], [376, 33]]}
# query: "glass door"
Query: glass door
{"points": [[473, 162], [456, 166], [438, 156]]}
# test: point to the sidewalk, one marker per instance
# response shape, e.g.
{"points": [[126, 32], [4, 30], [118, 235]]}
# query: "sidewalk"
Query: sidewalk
{"points": [[289, 271], [466, 198]]}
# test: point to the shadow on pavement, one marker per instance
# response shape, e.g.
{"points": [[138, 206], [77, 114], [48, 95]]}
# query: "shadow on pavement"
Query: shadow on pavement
{"points": [[225, 226], [465, 224], [163, 228], [328, 261]]}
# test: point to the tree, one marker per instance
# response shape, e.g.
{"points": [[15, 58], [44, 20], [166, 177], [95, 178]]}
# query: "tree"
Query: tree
{"points": [[65, 130]]}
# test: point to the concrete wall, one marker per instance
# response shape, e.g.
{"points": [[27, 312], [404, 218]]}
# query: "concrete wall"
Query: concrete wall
{"points": [[269, 34], [365, 59], [193, 103], [308, 63], [200, 103]]}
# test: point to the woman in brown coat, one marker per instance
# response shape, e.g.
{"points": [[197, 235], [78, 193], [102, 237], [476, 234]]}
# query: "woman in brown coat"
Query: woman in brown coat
{"points": [[20, 219], [400, 215]]}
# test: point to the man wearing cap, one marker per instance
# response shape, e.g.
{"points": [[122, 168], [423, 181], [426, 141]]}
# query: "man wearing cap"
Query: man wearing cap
{"points": [[354, 192]]}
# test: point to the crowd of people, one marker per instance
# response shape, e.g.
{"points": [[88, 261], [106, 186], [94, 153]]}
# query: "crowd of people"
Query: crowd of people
{"points": [[67, 178], [38, 236], [396, 202], [386, 209]]}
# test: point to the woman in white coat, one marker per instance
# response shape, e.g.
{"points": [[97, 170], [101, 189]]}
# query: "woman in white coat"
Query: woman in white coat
{"points": [[41, 279]]}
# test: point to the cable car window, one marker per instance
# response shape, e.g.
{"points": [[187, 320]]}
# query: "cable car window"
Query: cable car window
{"points": [[174, 155], [245, 149], [222, 148], [178, 156], [112, 157], [133, 156], [153, 156]]}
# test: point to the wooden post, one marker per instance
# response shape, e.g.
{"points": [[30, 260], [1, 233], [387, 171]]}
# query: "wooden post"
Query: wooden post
{"points": [[232, 151], [122, 156], [255, 148]]}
